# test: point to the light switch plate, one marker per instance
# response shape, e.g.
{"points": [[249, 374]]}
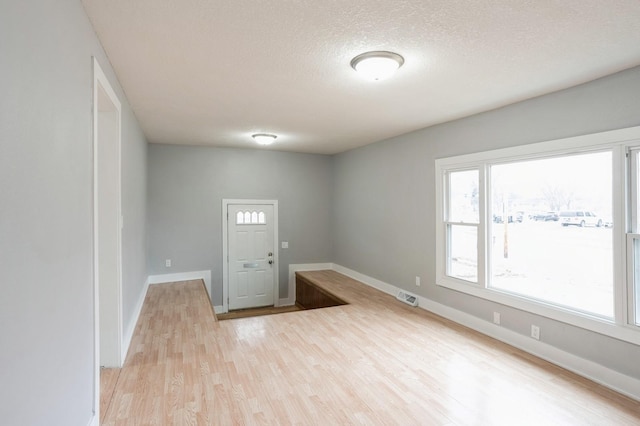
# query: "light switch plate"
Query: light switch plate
{"points": [[285, 244]]}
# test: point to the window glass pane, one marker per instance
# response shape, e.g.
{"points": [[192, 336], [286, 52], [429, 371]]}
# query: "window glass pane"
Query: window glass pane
{"points": [[463, 196], [635, 187], [239, 218], [635, 255], [463, 252], [261, 218], [550, 238], [636, 281]]}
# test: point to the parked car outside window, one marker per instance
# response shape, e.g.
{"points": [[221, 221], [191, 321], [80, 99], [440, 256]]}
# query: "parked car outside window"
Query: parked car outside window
{"points": [[579, 218], [546, 216]]}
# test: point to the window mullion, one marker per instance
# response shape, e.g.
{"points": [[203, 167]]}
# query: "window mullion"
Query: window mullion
{"points": [[483, 227]]}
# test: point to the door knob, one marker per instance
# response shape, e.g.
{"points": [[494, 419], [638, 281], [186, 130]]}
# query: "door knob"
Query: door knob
{"points": [[271, 262], [270, 254]]}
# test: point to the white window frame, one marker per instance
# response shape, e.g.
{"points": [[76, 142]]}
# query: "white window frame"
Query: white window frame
{"points": [[619, 142], [447, 222], [631, 298]]}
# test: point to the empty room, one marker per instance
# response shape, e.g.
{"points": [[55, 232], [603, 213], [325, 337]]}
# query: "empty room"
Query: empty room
{"points": [[420, 212]]}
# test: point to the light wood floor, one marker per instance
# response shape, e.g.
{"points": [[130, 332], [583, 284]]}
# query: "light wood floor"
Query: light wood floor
{"points": [[374, 361]]}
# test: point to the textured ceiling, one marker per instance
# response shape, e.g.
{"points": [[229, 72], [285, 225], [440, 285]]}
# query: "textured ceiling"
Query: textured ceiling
{"points": [[208, 72]]}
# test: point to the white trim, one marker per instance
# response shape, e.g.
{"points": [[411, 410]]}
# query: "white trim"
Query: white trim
{"points": [[293, 268], [286, 302], [101, 80], [218, 309], [226, 202], [94, 421], [605, 376], [183, 276], [131, 328], [553, 147]]}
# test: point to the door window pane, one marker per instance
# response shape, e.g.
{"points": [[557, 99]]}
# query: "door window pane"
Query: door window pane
{"points": [[548, 235], [463, 196], [463, 252]]}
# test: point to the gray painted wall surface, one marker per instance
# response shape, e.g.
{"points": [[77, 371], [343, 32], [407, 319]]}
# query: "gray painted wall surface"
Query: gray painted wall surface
{"points": [[46, 203], [186, 188], [383, 212]]}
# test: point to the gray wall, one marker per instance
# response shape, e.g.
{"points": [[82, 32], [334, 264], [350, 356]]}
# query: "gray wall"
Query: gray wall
{"points": [[186, 188], [383, 212], [46, 173]]}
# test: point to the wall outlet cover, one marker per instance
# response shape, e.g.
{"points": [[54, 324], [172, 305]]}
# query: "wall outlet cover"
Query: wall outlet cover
{"points": [[535, 332]]}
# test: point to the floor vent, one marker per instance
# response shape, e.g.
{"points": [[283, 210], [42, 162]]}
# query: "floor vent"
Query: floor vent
{"points": [[407, 298]]}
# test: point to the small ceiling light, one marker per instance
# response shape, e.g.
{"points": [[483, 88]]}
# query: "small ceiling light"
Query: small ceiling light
{"points": [[264, 138], [377, 65]]}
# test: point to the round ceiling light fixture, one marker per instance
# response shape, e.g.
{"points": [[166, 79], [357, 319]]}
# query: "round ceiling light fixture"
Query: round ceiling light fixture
{"points": [[377, 65], [264, 138]]}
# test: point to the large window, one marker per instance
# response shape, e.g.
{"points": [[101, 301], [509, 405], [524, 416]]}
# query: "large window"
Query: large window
{"points": [[553, 228], [548, 235]]}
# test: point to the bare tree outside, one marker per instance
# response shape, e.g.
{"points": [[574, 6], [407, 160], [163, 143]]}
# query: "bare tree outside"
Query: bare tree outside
{"points": [[557, 197]]}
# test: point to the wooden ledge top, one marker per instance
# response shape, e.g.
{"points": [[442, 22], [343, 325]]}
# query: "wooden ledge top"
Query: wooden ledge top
{"points": [[351, 291]]}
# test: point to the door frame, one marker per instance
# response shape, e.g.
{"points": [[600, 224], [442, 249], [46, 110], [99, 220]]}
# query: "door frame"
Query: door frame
{"points": [[226, 202], [100, 81]]}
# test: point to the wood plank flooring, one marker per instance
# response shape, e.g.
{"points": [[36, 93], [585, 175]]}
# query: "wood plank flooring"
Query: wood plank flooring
{"points": [[374, 361], [108, 381]]}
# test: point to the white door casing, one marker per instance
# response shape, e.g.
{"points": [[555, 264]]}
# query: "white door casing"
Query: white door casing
{"points": [[107, 228], [250, 271]]}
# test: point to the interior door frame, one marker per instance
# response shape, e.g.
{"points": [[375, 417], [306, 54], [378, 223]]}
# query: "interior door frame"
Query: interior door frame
{"points": [[101, 87], [226, 202]]}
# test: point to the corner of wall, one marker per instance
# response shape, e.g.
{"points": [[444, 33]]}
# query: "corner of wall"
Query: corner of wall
{"points": [[293, 268]]}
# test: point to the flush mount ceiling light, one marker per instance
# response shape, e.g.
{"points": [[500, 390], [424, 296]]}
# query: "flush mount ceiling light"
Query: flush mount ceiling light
{"points": [[264, 138], [377, 65]]}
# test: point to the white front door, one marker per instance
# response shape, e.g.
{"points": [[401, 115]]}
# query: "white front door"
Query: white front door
{"points": [[251, 255]]}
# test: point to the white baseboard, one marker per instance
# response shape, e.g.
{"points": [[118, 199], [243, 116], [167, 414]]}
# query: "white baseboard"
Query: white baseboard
{"points": [[371, 282], [293, 268], [94, 421], [598, 373], [219, 309], [184, 276], [131, 327]]}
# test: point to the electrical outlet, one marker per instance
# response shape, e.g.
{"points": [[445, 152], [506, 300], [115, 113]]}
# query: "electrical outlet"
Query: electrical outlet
{"points": [[496, 317], [285, 244], [418, 281], [535, 332], [167, 263]]}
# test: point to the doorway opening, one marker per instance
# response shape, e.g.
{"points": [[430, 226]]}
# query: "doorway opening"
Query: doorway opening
{"points": [[107, 227]]}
